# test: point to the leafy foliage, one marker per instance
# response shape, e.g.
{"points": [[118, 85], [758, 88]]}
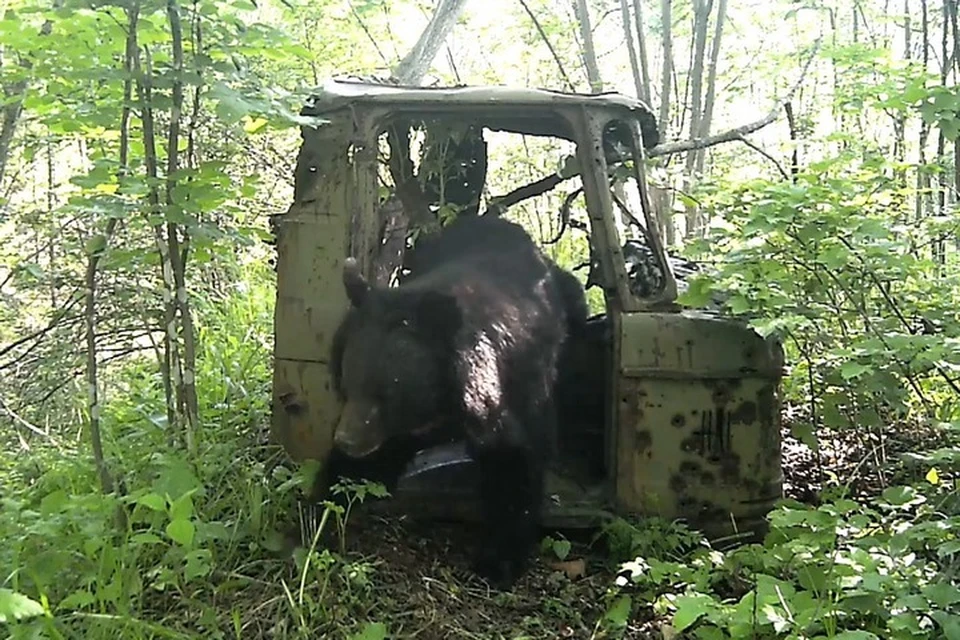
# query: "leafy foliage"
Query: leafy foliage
{"points": [[851, 256]]}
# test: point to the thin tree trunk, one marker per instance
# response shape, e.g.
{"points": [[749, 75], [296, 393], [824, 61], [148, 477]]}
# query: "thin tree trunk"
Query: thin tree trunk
{"points": [[951, 8], [667, 70], [642, 51], [415, 64], [8, 121], [664, 195], [171, 373], [188, 389], [589, 51], [701, 20], [942, 186], [638, 84], [922, 181], [712, 63], [90, 313]]}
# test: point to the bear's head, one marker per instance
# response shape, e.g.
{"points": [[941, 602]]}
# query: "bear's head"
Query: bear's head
{"points": [[391, 361]]}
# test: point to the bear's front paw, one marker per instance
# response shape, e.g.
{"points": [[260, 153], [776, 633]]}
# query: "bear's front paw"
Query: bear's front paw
{"points": [[501, 572]]}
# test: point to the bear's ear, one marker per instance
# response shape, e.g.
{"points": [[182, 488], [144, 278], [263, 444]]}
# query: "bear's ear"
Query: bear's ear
{"points": [[438, 315], [353, 281]]}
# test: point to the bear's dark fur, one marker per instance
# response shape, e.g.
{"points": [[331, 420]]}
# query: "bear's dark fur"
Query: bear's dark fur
{"points": [[466, 348], [470, 233]]}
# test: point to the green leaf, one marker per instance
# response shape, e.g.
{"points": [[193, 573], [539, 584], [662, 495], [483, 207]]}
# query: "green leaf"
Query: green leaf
{"points": [[153, 501], [95, 245], [948, 548], [145, 537], [805, 433], [899, 495], [33, 269], [851, 370], [54, 502], [371, 631], [950, 129], [691, 608], [698, 292], [561, 548], [942, 594], [77, 600], [182, 507], [618, 613], [197, 564], [181, 531], [16, 606], [950, 623]]}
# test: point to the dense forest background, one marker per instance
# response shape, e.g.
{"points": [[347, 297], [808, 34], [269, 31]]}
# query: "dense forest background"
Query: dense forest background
{"points": [[143, 146]]}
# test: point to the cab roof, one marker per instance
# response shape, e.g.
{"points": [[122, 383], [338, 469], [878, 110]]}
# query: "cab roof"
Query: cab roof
{"points": [[525, 104]]}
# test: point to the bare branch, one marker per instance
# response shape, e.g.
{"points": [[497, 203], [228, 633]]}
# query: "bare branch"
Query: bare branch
{"points": [[546, 41], [527, 191], [766, 155], [18, 419], [736, 134]]}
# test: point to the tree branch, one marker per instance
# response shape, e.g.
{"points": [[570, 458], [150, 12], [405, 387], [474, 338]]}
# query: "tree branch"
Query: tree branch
{"points": [[736, 134], [416, 63], [546, 41], [766, 155]]}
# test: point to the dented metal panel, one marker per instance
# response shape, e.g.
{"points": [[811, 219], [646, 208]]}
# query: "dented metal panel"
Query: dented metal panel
{"points": [[699, 421]]}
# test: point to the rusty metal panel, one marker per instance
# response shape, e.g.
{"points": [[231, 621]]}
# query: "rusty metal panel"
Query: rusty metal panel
{"points": [[305, 409], [312, 240], [310, 296], [698, 421]]}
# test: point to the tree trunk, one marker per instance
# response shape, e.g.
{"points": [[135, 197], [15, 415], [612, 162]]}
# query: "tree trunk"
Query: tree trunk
{"points": [[90, 313], [711, 82], [188, 388], [667, 70], [701, 19], [664, 198], [417, 62], [646, 94], [589, 51], [638, 80], [171, 359], [922, 181]]}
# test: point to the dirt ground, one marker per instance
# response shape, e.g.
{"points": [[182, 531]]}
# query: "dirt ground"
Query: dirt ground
{"points": [[425, 589]]}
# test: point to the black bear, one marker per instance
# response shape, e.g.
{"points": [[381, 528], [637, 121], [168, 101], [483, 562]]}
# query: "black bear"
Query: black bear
{"points": [[489, 233], [465, 350]]}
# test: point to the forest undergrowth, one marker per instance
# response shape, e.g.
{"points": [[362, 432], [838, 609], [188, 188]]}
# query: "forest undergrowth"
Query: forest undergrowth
{"points": [[144, 145], [865, 543]]}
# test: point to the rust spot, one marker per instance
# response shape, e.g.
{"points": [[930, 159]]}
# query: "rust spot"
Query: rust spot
{"points": [[691, 444], [687, 506], [745, 413], [721, 395], [678, 420], [730, 468], [712, 512], [291, 403], [643, 441], [678, 484], [689, 467]]}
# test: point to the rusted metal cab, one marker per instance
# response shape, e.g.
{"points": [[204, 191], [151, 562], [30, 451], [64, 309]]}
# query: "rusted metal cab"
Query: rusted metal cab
{"points": [[687, 422]]}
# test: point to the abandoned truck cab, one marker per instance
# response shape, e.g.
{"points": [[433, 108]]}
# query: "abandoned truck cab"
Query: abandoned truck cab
{"points": [[680, 411]]}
